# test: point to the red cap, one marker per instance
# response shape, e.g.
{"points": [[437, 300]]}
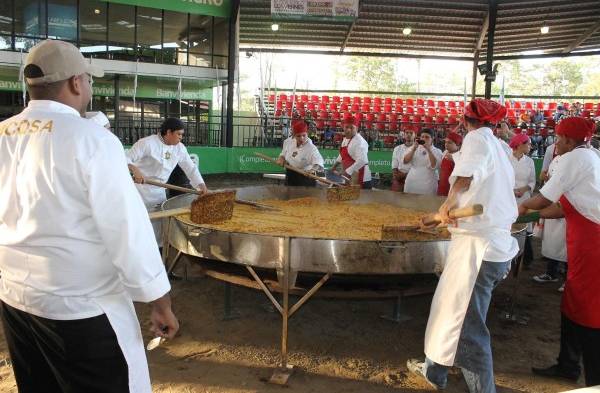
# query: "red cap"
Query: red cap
{"points": [[299, 126], [518, 140], [577, 128], [455, 137], [485, 110], [350, 121]]}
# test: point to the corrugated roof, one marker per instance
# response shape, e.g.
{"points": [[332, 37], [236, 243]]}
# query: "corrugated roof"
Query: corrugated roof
{"points": [[438, 27]]}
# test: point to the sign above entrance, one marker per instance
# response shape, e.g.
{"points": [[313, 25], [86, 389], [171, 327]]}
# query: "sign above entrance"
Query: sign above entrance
{"points": [[220, 8], [335, 10]]}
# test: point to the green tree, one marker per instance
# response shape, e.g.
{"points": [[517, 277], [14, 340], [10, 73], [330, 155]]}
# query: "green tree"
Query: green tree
{"points": [[375, 73], [563, 77]]}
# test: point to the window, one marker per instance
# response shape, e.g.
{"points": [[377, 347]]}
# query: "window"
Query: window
{"points": [[121, 31], [200, 40], [92, 25], [149, 33], [221, 42], [175, 41], [62, 19], [30, 18]]}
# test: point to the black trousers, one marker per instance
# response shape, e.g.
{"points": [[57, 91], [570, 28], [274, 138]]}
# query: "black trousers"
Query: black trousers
{"points": [[77, 356], [578, 342]]}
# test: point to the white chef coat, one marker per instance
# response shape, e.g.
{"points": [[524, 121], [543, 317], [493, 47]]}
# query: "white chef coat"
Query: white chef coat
{"points": [[358, 149], [554, 235], [156, 160], [524, 175], [398, 158], [304, 157], [75, 239], [548, 156], [577, 176], [422, 177], [485, 237], [506, 147]]}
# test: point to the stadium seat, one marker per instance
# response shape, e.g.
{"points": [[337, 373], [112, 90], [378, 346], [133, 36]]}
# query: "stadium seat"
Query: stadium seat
{"points": [[452, 120], [387, 108], [301, 113], [442, 112], [314, 99], [320, 124], [428, 120], [389, 141], [366, 108], [461, 104], [304, 98], [405, 119], [410, 102], [588, 106], [431, 111], [387, 101], [451, 104], [377, 101], [530, 131], [585, 114], [272, 98], [410, 110], [322, 106], [356, 100], [453, 112], [529, 105], [283, 97], [335, 99], [279, 105], [399, 110], [566, 106], [300, 105], [430, 104], [540, 105], [333, 106], [511, 113], [325, 99], [517, 105], [420, 102], [440, 120], [552, 106], [420, 111], [377, 108], [323, 115], [507, 104], [393, 125], [346, 100], [355, 108], [367, 100], [343, 107], [417, 119], [278, 113], [311, 106], [399, 103], [381, 121], [441, 104]]}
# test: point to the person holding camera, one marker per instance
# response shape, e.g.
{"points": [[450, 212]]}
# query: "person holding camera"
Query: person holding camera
{"points": [[424, 160]]}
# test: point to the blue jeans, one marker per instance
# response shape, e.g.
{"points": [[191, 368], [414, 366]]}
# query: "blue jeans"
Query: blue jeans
{"points": [[474, 352]]}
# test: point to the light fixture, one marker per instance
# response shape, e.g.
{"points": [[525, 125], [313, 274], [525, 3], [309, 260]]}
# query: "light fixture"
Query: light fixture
{"points": [[274, 27], [406, 31], [544, 29], [97, 11]]}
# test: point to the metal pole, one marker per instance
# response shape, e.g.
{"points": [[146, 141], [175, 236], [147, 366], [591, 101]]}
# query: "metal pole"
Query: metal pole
{"points": [[116, 108], [475, 70], [489, 78], [285, 308], [231, 62]]}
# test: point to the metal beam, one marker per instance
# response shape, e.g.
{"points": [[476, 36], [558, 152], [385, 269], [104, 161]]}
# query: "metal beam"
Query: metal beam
{"points": [[231, 67], [360, 3], [484, 28], [366, 54], [493, 12], [587, 34], [548, 55]]}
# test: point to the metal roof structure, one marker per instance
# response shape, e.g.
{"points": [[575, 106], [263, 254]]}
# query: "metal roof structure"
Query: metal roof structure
{"points": [[439, 28]]}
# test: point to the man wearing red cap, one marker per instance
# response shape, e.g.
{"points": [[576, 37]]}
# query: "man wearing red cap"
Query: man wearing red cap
{"points": [[353, 156], [452, 144], [479, 256], [299, 152], [573, 192]]}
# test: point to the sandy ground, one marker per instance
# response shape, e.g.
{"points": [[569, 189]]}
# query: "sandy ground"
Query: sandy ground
{"points": [[336, 345]]}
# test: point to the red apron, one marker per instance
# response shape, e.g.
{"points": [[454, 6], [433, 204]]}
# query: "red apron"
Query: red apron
{"points": [[348, 161], [581, 299], [446, 168]]}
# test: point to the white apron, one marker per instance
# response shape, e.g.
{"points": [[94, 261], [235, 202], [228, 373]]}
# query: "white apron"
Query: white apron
{"points": [[122, 317], [452, 297], [421, 180], [554, 237]]}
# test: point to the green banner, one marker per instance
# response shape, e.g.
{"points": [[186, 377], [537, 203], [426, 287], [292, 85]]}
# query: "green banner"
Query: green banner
{"points": [[220, 8]]}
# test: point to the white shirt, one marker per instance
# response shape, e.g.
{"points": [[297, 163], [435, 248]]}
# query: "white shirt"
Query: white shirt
{"points": [[358, 149], [398, 158], [483, 158], [577, 177], [423, 177], [524, 174], [506, 147], [548, 156], [156, 160], [72, 227], [304, 157]]}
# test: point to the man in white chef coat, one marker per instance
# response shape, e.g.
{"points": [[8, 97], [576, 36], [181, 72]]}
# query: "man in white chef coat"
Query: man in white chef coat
{"points": [[479, 256], [76, 244], [353, 156], [154, 157]]}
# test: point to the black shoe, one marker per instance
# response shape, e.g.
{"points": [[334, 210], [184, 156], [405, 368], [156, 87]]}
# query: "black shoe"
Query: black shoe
{"points": [[556, 372]]}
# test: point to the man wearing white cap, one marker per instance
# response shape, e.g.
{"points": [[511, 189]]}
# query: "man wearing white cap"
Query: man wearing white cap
{"points": [[76, 244]]}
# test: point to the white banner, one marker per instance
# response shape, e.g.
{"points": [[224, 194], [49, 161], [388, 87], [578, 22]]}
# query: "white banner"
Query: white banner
{"points": [[315, 9]]}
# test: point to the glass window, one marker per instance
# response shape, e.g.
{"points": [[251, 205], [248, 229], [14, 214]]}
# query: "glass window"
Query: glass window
{"points": [[5, 42], [221, 42], [149, 32], [30, 18], [92, 34], [200, 40], [62, 19], [175, 42], [121, 31], [6, 17]]}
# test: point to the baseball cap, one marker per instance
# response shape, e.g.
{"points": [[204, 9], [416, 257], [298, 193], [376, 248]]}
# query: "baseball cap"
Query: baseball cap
{"points": [[57, 60]]}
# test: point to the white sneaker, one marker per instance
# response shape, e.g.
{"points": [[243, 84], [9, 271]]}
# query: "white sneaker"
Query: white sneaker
{"points": [[417, 367], [544, 278], [561, 288]]}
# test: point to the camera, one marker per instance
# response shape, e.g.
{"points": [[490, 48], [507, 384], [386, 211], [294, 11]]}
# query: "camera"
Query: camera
{"points": [[420, 141]]}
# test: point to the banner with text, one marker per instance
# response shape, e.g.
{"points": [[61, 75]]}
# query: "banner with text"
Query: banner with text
{"points": [[335, 10], [201, 7]]}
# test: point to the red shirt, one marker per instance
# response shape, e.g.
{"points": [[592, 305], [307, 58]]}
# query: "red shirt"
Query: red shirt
{"points": [[446, 168]]}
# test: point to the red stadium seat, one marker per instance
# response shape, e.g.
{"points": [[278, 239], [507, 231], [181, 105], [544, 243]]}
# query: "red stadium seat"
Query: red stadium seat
{"points": [[511, 113], [272, 98], [598, 106], [377, 108], [346, 100], [512, 121], [417, 119], [389, 141], [355, 108], [387, 101], [377, 101], [387, 108], [381, 121], [356, 100], [420, 102], [529, 105], [410, 102], [279, 105], [431, 112], [452, 120], [540, 105], [440, 120], [288, 112], [451, 104], [507, 104], [347, 115], [428, 120], [585, 114], [322, 106], [405, 119], [399, 103], [333, 106], [323, 115], [453, 112], [300, 105], [550, 123], [517, 105], [278, 113], [301, 113], [366, 108], [325, 99], [358, 117], [566, 106], [393, 122], [430, 104], [343, 107], [304, 98], [399, 110], [552, 106], [461, 104], [283, 97], [530, 131], [441, 104], [335, 99], [314, 99], [410, 110], [588, 106], [420, 111], [370, 120], [367, 100], [320, 124], [311, 106], [442, 112], [547, 113]]}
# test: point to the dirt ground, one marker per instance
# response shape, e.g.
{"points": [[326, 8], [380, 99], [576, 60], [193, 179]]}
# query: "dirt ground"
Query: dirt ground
{"points": [[336, 345]]}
